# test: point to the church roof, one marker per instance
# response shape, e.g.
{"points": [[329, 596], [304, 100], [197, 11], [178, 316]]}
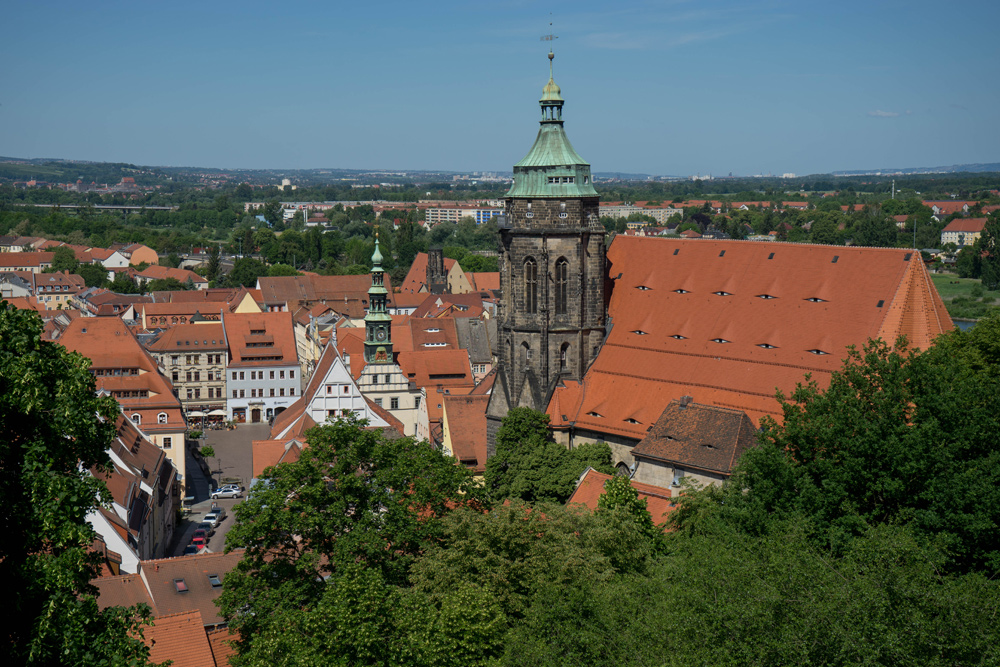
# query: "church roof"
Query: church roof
{"points": [[730, 322]]}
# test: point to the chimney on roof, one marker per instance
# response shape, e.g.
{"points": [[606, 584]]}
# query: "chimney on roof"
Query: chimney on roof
{"points": [[685, 401]]}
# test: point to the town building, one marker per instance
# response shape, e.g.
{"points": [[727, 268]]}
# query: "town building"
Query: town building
{"points": [[264, 377], [195, 358], [123, 369], [56, 290], [963, 231]]}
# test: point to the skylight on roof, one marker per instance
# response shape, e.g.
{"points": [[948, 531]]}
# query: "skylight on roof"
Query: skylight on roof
{"points": [[432, 330], [817, 351], [639, 332], [816, 299], [643, 288], [767, 346], [679, 337], [214, 580], [180, 586], [681, 291], [719, 340], [722, 293]]}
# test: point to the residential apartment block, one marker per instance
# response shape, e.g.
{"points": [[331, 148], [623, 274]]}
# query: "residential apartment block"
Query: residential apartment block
{"points": [[195, 358]]}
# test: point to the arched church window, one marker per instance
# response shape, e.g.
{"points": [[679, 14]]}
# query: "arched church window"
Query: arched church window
{"points": [[530, 286], [562, 277], [525, 354], [564, 356]]}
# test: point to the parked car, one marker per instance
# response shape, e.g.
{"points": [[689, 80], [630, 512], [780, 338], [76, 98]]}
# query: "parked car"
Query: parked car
{"points": [[207, 527], [200, 533], [213, 518], [191, 549], [199, 541], [226, 492]]}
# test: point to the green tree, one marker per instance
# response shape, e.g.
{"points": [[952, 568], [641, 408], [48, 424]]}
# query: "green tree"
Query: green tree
{"points": [[896, 438], [166, 285], [214, 262], [332, 531], [245, 272], [529, 466], [55, 431], [64, 259], [94, 275]]}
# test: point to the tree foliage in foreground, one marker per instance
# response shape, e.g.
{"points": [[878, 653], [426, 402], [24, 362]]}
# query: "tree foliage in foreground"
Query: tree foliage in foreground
{"points": [[55, 430], [528, 465], [862, 530]]}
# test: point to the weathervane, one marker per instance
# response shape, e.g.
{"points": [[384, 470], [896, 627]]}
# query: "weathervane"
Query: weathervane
{"points": [[549, 37]]}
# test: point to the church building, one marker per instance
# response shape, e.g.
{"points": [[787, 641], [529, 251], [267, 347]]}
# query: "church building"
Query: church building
{"points": [[604, 343]]}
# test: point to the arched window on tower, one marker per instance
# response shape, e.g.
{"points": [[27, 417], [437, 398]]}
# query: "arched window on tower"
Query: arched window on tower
{"points": [[530, 286], [525, 354], [562, 275], [564, 356]]}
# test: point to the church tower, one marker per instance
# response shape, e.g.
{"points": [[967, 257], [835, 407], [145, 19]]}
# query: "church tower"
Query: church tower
{"points": [[552, 266], [378, 322]]}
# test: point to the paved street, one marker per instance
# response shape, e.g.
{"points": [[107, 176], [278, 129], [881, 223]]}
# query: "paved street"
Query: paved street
{"points": [[233, 458]]}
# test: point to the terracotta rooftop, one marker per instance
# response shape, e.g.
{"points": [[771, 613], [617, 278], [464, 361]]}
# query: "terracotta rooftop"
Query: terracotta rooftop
{"points": [[451, 305], [704, 437], [590, 488], [973, 225], [466, 424], [347, 295], [181, 639], [729, 322], [188, 583], [275, 346]]}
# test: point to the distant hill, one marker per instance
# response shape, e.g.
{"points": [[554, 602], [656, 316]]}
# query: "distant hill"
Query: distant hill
{"points": [[975, 168]]}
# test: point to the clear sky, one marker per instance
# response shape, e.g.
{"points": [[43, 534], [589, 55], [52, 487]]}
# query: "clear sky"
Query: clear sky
{"points": [[669, 87]]}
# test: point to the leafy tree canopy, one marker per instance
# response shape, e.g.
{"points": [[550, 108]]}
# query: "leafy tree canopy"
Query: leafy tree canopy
{"points": [[55, 431]]}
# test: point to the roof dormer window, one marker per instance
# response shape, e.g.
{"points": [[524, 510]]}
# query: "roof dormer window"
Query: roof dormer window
{"points": [[722, 293], [816, 299], [639, 332], [595, 414], [719, 340], [679, 337], [817, 351], [681, 291], [767, 346], [766, 296], [643, 288]]}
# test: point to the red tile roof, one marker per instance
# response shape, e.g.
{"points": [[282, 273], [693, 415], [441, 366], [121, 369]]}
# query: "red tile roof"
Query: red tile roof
{"points": [[466, 425], [181, 639], [729, 322], [275, 347], [591, 487], [969, 225], [702, 437]]}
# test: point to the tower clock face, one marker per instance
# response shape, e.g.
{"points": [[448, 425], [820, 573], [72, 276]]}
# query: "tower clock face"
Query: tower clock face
{"points": [[380, 335]]}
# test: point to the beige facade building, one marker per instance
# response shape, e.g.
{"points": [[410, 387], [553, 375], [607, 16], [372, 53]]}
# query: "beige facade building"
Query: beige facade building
{"points": [[195, 357]]}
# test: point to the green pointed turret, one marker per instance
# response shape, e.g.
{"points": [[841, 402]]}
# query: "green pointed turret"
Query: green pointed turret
{"points": [[552, 168], [378, 321]]}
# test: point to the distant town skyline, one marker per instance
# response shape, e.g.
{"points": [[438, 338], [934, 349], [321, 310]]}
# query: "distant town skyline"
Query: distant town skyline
{"points": [[676, 87]]}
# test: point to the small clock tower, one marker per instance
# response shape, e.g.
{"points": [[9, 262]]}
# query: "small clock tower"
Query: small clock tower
{"points": [[378, 322]]}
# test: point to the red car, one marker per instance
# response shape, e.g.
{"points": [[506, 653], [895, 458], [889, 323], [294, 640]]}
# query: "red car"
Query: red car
{"points": [[199, 541]]}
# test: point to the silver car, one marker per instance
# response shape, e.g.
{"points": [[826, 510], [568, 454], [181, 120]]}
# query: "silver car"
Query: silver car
{"points": [[227, 492]]}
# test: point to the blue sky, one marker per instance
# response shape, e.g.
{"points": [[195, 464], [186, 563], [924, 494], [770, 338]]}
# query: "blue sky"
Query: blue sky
{"points": [[672, 87]]}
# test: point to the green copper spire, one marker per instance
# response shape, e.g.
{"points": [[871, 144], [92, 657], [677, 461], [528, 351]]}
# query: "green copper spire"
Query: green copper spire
{"points": [[552, 168], [376, 256], [378, 322]]}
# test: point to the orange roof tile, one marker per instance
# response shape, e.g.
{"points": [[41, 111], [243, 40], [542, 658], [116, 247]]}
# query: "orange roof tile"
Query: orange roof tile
{"points": [[416, 277], [181, 639], [466, 424], [729, 322], [591, 487], [974, 225]]}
